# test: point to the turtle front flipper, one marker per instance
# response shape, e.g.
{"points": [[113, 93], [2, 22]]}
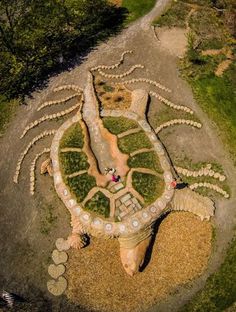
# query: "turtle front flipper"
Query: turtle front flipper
{"points": [[133, 250]]}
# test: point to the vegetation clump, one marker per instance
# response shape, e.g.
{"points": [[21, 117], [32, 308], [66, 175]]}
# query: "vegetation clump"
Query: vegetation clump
{"points": [[117, 125], [73, 162], [134, 142], [73, 137], [136, 8], [37, 37], [81, 185], [150, 187], [99, 204], [145, 160]]}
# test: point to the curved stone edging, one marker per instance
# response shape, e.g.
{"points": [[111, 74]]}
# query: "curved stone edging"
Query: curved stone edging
{"points": [[141, 218]]}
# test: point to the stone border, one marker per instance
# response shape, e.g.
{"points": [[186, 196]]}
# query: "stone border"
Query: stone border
{"points": [[140, 219]]}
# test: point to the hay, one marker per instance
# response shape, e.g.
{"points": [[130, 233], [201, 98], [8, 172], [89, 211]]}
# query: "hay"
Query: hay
{"points": [[97, 281]]}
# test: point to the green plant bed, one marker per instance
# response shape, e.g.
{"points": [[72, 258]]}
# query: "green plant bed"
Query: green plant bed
{"points": [[81, 185], [145, 160], [175, 16], [73, 162], [99, 204], [147, 185], [134, 142], [117, 125], [73, 137], [138, 8], [219, 292]]}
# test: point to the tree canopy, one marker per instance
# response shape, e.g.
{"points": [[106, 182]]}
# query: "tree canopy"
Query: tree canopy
{"points": [[38, 36]]}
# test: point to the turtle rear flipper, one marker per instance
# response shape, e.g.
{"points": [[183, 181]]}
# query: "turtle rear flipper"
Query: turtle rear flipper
{"points": [[188, 200]]}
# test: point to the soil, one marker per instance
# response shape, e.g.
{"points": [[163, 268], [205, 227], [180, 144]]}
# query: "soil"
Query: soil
{"points": [[26, 245]]}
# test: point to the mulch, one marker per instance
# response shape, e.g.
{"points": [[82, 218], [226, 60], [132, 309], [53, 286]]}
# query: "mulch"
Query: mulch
{"points": [[97, 281]]}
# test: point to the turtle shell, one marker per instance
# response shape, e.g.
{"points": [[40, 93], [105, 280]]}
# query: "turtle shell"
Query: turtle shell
{"points": [[121, 208]]}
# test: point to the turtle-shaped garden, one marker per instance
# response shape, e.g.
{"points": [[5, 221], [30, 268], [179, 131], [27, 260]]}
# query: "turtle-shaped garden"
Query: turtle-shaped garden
{"points": [[112, 172]]}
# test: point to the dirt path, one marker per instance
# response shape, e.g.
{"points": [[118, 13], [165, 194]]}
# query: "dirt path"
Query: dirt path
{"points": [[25, 251]]}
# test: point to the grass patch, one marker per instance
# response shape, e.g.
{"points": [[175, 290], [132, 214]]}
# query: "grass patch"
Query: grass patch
{"points": [[145, 160], [137, 9], [117, 125], [217, 97], [134, 142], [99, 204], [73, 162], [73, 137], [147, 185], [7, 109], [219, 292], [81, 185], [47, 218], [175, 16]]}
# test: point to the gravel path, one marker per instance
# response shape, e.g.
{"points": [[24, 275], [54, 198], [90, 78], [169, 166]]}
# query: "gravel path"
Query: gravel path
{"points": [[25, 251]]}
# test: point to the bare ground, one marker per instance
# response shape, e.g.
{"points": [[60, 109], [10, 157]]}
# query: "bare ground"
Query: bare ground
{"points": [[25, 251]]}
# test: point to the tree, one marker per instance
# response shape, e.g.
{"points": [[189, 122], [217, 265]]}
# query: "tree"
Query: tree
{"points": [[34, 33]]}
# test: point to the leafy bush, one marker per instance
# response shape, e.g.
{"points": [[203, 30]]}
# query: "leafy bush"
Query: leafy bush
{"points": [[73, 137], [73, 162], [81, 185], [118, 125], [99, 204], [147, 185], [145, 160]]}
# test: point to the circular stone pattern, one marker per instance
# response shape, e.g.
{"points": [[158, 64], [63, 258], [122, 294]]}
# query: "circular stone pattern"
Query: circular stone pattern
{"points": [[141, 218]]}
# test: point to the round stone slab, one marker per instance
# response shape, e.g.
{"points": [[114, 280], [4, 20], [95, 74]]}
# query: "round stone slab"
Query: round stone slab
{"points": [[57, 287], [59, 256], [56, 270], [62, 244]]}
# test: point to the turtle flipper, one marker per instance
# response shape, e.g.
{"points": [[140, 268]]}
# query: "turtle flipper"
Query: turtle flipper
{"points": [[78, 237], [188, 200]]}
